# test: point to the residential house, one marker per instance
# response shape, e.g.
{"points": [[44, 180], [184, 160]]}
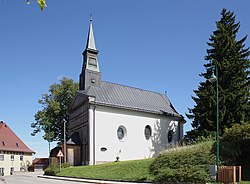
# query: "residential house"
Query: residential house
{"points": [[14, 154]]}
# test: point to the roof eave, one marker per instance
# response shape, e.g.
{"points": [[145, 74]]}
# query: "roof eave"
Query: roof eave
{"points": [[160, 112]]}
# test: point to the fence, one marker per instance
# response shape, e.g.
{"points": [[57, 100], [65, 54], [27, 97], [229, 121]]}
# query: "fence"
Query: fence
{"points": [[229, 174]]}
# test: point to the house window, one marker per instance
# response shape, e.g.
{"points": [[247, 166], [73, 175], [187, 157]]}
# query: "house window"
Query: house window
{"points": [[1, 157], [170, 136], [12, 157], [147, 132], [11, 170], [21, 157], [3, 143], [121, 133], [1, 171], [17, 145]]}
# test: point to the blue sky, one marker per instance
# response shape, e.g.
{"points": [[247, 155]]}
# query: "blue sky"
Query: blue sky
{"points": [[155, 45]]}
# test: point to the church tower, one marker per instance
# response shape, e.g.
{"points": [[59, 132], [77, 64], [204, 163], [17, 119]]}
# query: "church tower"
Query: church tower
{"points": [[91, 74]]}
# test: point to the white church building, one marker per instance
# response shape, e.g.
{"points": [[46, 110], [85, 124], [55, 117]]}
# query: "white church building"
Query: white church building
{"points": [[110, 122]]}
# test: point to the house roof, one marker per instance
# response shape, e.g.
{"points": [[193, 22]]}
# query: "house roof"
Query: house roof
{"points": [[9, 141], [44, 161], [121, 96]]}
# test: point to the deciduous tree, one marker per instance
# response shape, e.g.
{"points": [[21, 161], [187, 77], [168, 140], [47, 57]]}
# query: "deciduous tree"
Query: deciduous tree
{"points": [[54, 114]]}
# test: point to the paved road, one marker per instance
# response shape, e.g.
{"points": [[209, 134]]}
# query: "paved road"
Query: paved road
{"points": [[28, 178]]}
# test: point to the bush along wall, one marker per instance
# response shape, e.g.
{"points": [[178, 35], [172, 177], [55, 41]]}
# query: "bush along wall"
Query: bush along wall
{"points": [[184, 164]]}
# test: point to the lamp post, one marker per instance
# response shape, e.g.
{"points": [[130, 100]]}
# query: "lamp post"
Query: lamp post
{"points": [[214, 78], [49, 143], [64, 142]]}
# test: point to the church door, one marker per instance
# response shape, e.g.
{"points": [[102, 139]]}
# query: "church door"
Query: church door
{"points": [[71, 156]]}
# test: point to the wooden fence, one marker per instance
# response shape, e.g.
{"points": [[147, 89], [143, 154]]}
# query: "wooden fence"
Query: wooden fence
{"points": [[229, 174]]}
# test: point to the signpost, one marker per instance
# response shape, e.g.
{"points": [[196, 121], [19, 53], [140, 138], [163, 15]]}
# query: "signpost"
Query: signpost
{"points": [[60, 155]]}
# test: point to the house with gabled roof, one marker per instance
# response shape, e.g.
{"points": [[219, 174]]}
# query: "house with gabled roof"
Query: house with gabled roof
{"points": [[110, 122], [15, 156]]}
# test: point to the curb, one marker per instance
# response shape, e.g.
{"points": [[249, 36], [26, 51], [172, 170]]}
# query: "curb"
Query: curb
{"points": [[88, 180]]}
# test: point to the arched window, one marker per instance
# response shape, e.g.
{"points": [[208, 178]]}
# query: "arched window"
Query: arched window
{"points": [[147, 132], [170, 136]]}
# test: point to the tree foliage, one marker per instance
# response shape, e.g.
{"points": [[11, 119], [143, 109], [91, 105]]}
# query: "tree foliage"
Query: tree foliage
{"points": [[42, 3], [54, 114], [231, 58]]}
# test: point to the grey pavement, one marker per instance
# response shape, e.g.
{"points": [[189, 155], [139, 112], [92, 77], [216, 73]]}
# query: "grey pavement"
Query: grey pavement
{"points": [[88, 180], [39, 178], [30, 178]]}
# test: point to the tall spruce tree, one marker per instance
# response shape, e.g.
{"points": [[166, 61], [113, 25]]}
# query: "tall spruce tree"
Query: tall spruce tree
{"points": [[231, 58]]}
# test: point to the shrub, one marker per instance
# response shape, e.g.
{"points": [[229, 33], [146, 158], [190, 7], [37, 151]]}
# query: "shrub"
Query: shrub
{"points": [[185, 164], [237, 132], [54, 169], [235, 147]]}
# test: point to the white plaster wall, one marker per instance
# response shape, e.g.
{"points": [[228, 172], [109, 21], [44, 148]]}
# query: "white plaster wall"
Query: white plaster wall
{"points": [[91, 150], [135, 146]]}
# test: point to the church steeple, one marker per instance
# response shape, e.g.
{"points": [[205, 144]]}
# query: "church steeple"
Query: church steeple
{"points": [[91, 38], [90, 71]]}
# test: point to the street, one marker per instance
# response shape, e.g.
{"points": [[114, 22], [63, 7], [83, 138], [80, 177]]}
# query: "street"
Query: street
{"points": [[31, 178]]}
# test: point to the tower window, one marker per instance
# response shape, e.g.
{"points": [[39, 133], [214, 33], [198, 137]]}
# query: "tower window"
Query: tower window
{"points": [[92, 61]]}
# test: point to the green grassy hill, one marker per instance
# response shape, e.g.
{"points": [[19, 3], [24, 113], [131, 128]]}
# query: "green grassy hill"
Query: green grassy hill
{"points": [[136, 170], [180, 164]]}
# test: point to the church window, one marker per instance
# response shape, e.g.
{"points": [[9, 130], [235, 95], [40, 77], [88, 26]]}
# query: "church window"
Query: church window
{"points": [[170, 136], [147, 132], [121, 133]]}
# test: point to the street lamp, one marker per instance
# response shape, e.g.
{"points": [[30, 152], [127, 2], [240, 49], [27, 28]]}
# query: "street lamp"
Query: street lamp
{"points": [[214, 78], [49, 143], [64, 142]]}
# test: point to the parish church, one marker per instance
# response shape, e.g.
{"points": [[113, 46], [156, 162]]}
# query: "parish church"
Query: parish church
{"points": [[114, 122]]}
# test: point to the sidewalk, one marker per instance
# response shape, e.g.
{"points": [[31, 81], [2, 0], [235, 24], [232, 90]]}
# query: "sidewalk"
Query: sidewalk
{"points": [[87, 180]]}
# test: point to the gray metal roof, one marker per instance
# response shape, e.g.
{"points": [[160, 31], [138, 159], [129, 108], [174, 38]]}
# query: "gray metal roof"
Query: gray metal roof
{"points": [[120, 96]]}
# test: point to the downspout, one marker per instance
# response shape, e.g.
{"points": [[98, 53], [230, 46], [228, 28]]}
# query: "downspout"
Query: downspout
{"points": [[94, 134]]}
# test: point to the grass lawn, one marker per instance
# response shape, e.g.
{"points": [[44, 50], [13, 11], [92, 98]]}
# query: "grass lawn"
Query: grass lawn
{"points": [[183, 164], [124, 171]]}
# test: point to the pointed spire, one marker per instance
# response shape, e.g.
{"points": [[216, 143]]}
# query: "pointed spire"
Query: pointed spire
{"points": [[91, 38]]}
